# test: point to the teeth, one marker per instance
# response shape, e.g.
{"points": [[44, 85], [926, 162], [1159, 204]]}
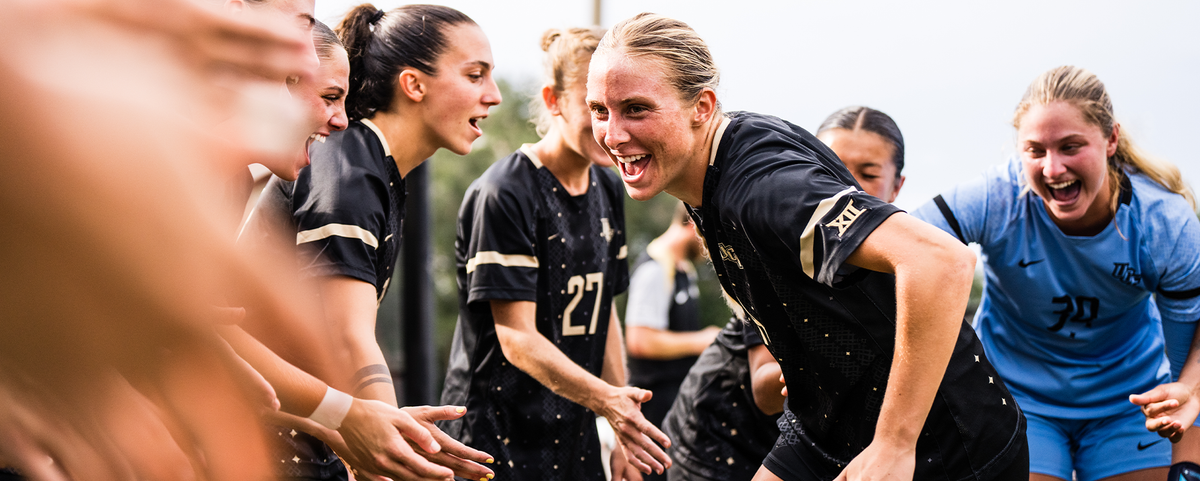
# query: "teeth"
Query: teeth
{"points": [[318, 137], [632, 158], [1061, 185]]}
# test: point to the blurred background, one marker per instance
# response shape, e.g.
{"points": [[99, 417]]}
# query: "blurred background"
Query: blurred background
{"points": [[949, 73]]}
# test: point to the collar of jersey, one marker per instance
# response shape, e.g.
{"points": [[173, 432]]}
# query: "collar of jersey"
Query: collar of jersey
{"points": [[716, 142], [383, 140], [527, 149]]}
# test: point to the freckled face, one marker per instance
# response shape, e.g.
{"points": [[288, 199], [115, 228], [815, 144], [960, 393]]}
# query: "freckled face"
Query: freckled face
{"points": [[323, 97], [642, 122], [1066, 164], [868, 157]]}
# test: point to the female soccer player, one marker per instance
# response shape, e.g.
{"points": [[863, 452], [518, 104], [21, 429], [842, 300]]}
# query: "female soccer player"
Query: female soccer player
{"points": [[1090, 247], [860, 304], [420, 80], [723, 423], [540, 254]]}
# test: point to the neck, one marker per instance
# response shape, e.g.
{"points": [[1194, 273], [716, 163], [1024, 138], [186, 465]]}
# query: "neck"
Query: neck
{"points": [[568, 166], [690, 187], [406, 139]]}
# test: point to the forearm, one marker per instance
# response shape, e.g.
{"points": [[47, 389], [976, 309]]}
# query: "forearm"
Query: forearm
{"points": [[1190, 373], [764, 380], [614, 353], [663, 345], [299, 393], [350, 307], [931, 297], [371, 378], [532, 353]]}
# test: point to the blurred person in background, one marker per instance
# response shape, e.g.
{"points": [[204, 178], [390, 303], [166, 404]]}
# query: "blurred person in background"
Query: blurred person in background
{"points": [[662, 315]]}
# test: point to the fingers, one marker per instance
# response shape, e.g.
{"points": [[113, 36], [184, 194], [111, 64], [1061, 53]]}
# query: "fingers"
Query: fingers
{"points": [[641, 451], [461, 467], [415, 432], [1157, 409], [632, 458], [429, 414], [1158, 394]]}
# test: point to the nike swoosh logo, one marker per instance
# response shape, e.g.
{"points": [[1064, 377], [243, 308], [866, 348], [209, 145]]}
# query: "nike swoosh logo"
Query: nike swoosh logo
{"points": [[1142, 447], [1024, 264]]}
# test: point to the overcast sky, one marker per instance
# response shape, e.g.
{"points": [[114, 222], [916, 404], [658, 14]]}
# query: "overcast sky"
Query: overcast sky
{"points": [[949, 72]]}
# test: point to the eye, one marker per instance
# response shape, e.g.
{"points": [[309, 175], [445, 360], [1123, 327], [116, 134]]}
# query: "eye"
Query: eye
{"points": [[869, 177], [636, 109], [475, 77], [1071, 147], [1035, 152], [599, 112]]}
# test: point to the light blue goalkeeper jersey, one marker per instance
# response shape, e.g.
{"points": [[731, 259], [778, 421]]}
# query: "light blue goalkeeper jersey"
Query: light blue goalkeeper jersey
{"points": [[1073, 324]]}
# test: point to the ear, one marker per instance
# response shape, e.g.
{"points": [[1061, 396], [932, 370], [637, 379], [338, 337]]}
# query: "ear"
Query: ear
{"points": [[550, 100], [705, 107], [409, 85], [1113, 140], [896, 190]]}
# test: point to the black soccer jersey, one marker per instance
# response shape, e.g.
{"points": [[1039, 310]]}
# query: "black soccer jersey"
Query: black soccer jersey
{"points": [[522, 237], [347, 209], [780, 215], [717, 431]]}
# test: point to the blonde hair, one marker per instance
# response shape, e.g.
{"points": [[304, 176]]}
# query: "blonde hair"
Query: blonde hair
{"points": [[567, 55], [1084, 90], [683, 55]]}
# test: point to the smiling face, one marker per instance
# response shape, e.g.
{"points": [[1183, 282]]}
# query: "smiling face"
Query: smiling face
{"points": [[459, 96], [654, 137], [1066, 164], [869, 158], [323, 97]]}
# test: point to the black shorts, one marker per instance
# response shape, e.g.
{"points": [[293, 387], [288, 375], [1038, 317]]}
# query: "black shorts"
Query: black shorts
{"points": [[790, 465]]}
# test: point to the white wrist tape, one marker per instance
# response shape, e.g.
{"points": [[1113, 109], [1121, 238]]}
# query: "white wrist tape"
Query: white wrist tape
{"points": [[333, 409]]}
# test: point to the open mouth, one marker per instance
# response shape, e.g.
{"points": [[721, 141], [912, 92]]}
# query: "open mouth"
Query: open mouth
{"points": [[1065, 191], [633, 166], [474, 121], [308, 143]]}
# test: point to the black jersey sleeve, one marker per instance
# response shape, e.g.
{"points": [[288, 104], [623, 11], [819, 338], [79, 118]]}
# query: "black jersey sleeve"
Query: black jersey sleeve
{"points": [[339, 207], [797, 200], [499, 222]]}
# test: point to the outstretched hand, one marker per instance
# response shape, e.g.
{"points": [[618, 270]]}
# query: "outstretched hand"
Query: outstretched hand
{"points": [[466, 462], [635, 435], [395, 448], [1170, 409]]}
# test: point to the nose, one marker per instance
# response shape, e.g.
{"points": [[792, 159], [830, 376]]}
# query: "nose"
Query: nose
{"points": [[491, 96], [1052, 166], [339, 121], [615, 134]]}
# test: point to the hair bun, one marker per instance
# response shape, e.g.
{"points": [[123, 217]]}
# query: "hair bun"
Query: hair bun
{"points": [[549, 37], [376, 17]]}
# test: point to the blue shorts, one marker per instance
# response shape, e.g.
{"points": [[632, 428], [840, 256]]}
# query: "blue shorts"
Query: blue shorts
{"points": [[1094, 448]]}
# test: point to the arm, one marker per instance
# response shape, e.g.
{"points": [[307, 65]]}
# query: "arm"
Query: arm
{"points": [[349, 307], [614, 374], [650, 343], [373, 436], [764, 380], [531, 352], [1171, 408], [933, 280]]}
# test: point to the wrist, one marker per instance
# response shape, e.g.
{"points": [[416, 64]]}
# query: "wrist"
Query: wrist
{"points": [[333, 409]]}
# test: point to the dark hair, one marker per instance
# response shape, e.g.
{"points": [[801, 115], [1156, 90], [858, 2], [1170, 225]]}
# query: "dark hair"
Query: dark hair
{"points": [[325, 40], [380, 45], [870, 120]]}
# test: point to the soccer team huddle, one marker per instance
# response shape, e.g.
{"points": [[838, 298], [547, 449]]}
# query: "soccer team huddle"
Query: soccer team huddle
{"points": [[847, 355]]}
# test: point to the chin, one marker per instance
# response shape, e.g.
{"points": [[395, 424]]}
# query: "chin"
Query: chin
{"points": [[640, 194]]}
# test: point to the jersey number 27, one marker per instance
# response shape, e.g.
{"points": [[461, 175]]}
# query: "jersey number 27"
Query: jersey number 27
{"points": [[576, 285]]}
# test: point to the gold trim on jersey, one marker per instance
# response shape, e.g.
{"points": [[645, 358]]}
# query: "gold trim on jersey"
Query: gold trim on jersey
{"points": [[340, 230], [806, 239], [527, 149], [712, 156], [506, 260], [383, 140]]}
